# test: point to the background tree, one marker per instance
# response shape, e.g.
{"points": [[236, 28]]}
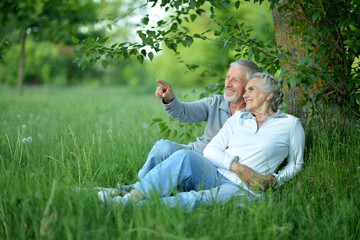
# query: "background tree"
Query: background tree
{"points": [[55, 21], [320, 42], [3, 45], [316, 48]]}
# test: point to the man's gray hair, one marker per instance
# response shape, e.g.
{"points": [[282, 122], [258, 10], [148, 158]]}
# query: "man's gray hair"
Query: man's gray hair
{"points": [[269, 84], [247, 65]]}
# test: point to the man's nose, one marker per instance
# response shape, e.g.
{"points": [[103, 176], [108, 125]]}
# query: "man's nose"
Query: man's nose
{"points": [[228, 81]]}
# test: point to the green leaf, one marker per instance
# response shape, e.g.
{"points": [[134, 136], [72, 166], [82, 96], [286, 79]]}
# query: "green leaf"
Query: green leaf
{"points": [[337, 67], [160, 23], [177, 4], [102, 41], [186, 29], [212, 12], [217, 33], [155, 120], [151, 33], [293, 81], [189, 41], [173, 46], [84, 64], [140, 58], [142, 35], [226, 44], [104, 63], [324, 31], [174, 134], [151, 56], [284, 73], [225, 4], [174, 27], [303, 103], [311, 31], [145, 20], [192, 4], [319, 97], [178, 40], [162, 126], [74, 40], [315, 16], [237, 4], [167, 133], [125, 55]]}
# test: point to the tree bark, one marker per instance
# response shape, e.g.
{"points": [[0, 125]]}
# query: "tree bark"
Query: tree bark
{"points": [[292, 43], [21, 63]]}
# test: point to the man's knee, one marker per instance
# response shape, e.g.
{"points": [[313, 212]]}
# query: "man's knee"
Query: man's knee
{"points": [[166, 148], [187, 156]]}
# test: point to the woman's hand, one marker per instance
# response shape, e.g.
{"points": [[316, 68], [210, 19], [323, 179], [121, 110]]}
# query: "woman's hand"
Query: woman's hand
{"points": [[254, 181]]}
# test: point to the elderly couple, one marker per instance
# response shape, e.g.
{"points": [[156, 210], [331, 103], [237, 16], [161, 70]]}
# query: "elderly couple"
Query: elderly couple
{"points": [[246, 139]]}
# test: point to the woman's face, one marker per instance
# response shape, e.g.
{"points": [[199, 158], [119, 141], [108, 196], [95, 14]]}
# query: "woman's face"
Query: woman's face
{"points": [[255, 97]]}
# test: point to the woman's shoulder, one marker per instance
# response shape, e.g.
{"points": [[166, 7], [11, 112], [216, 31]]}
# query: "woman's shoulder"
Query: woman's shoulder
{"points": [[286, 115], [291, 119]]}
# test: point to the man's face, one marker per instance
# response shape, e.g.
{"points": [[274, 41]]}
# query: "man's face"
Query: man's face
{"points": [[235, 83]]}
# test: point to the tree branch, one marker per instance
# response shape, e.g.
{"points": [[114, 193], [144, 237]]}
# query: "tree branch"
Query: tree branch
{"points": [[130, 11]]}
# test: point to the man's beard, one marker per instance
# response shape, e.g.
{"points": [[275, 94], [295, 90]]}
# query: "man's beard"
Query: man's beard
{"points": [[232, 99]]}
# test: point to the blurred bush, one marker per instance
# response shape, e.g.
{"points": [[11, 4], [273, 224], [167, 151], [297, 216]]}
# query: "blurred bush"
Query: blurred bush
{"points": [[52, 64], [44, 64]]}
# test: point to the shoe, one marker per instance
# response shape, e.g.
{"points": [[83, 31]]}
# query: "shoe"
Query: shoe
{"points": [[107, 200], [126, 200], [126, 188], [111, 191]]}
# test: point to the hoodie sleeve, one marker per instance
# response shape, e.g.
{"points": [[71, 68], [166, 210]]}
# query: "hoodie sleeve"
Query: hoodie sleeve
{"points": [[197, 111]]}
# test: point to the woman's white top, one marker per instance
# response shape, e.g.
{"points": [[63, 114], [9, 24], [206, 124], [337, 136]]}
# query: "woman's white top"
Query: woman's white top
{"points": [[281, 137]]}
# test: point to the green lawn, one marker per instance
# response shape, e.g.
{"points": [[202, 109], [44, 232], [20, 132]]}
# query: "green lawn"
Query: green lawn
{"points": [[53, 141]]}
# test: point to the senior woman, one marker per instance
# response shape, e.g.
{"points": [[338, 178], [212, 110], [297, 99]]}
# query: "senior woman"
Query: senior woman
{"points": [[238, 161]]}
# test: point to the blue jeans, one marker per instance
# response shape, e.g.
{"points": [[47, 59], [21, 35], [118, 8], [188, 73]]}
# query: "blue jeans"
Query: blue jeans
{"points": [[161, 150], [186, 170]]}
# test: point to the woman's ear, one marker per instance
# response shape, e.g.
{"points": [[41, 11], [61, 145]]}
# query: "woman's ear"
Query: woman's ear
{"points": [[269, 96]]}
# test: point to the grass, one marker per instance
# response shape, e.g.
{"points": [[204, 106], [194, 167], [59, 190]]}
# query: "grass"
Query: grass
{"points": [[84, 138]]}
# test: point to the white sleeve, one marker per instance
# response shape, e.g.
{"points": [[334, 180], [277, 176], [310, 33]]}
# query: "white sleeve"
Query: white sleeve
{"points": [[215, 150], [295, 158]]}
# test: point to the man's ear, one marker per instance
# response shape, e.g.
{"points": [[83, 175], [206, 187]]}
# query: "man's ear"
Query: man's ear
{"points": [[269, 96]]}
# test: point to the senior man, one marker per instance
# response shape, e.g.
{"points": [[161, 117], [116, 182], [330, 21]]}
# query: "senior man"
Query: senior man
{"points": [[214, 111]]}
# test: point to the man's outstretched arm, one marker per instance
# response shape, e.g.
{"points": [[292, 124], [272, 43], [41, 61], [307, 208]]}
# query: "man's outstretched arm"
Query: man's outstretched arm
{"points": [[182, 111]]}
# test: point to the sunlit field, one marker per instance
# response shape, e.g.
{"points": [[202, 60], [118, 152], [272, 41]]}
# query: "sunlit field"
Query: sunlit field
{"points": [[54, 142]]}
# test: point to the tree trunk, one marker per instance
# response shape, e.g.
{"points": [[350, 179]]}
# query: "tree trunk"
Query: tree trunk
{"points": [[21, 63], [292, 43]]}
